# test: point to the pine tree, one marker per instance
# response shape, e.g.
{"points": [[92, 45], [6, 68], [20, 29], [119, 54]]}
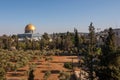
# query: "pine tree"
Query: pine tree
{"points": [[76, 39], [109, 47], [110, 41], [31, 75], [68, 42], [92, 39], [110, 67], [91, 48]]}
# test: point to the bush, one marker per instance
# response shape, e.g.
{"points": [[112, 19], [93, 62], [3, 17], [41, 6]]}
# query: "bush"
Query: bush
{"points": [[47, 74], [64, 76], [68, 65], [2, 74]]}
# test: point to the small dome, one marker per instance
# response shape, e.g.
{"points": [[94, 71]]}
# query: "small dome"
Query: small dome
{"points": [[29, 28]]}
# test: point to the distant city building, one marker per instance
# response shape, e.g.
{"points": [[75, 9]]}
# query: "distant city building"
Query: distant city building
{"points": [[117, 32], [117, 35], [29, 33], [103, 35]]}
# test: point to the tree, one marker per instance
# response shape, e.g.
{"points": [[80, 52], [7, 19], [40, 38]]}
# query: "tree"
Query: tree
{"points": [[109, 61], [114, 66], [31, 75], [91, 48], [68, 42], [42, 43], [1, 43], [109, 47], [58, 41], [111, 70], [110, 42], [47, 74], [45, 36], [76, 39], [22, 45], [15, 41], [28, 44], [64, 76], [92, 39], [2, 74]]}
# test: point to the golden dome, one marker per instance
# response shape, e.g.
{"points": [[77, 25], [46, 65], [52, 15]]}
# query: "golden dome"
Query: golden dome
{"points": [[29, 27]]}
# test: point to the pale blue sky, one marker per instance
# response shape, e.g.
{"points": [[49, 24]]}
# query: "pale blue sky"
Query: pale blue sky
{"points": [[58, 15]]}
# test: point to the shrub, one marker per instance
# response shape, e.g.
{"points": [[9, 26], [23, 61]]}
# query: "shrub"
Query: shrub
{"points": [[64, 76], [47, 74], [68, 65]]}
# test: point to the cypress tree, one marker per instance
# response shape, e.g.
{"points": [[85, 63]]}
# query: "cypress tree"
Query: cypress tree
{"points": [[76, 39], [31, 75], [91, 48]]}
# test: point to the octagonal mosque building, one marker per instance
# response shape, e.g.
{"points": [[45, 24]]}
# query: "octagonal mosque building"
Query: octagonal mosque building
{"points": [[29, 33]]}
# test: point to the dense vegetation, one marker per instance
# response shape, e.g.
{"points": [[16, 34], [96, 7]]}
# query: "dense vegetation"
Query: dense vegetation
{"points": [[101, 60]]}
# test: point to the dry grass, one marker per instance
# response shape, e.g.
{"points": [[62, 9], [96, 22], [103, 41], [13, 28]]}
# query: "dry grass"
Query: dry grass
{"points": [[55, 66]]}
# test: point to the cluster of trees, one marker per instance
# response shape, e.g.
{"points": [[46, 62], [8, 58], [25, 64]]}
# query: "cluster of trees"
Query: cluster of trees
{"points": [[109, 66], [13, 60], [62, 41], [103, 60]]}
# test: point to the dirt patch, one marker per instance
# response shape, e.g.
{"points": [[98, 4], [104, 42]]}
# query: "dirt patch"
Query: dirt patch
{"points": [[55, 66]]}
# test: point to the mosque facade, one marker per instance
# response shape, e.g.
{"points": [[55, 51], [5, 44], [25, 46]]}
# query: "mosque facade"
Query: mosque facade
{"points": [[29, 33]]}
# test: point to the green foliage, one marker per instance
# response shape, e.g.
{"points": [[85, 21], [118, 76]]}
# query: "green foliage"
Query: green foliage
{"points": [[21, 45], [45, 36], [68, 65], [64, 76], [59, 41], [92, 40], [32, 66], [76, 38], [109, 68], [2, 74], [13, 60], [68, 42], [98, 51], [109, 46], [47, 74], [31, 75], [48, 59], [114, 65]]}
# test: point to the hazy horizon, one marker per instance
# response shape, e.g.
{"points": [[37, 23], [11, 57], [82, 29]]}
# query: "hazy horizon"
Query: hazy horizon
{"points": [[53, 16]]}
